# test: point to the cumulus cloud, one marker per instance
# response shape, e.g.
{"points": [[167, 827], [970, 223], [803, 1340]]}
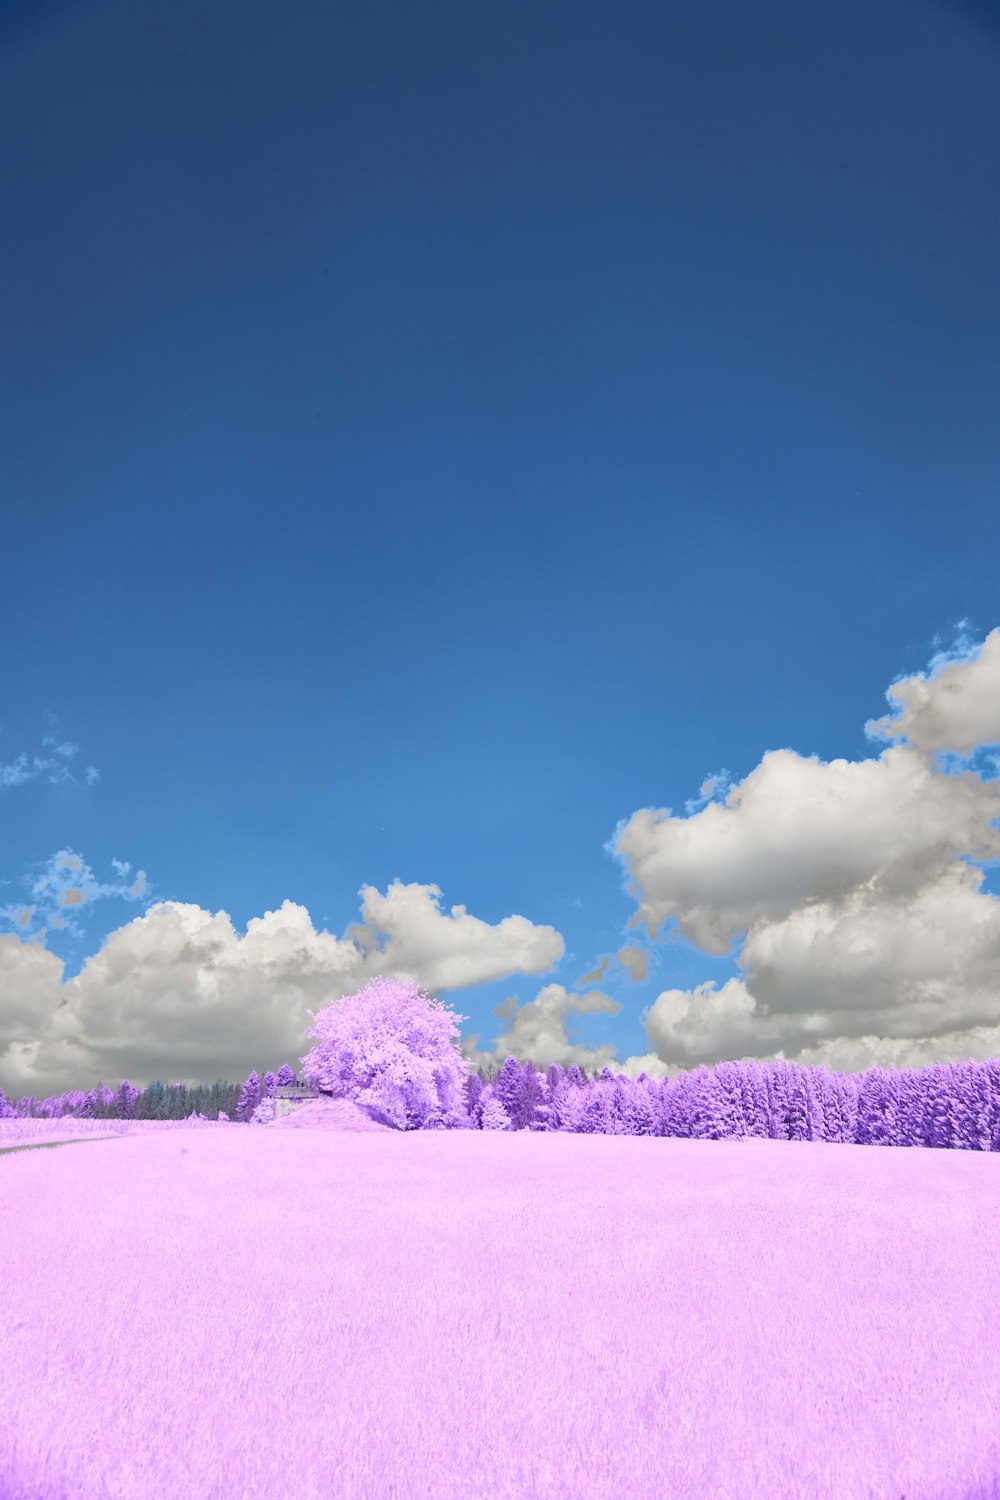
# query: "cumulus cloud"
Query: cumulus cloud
{"points": [[538, 1030], [178, 994], [955, 708], [852, 887], [800, 830]]}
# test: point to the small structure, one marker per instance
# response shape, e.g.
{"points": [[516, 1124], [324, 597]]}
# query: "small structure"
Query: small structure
{"points": [[289, 1096]]}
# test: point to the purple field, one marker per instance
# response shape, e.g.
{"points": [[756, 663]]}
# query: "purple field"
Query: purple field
{"points": [[224, 1313]]}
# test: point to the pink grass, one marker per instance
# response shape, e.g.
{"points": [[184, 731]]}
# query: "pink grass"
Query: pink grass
{"points": [[227, 1313]]}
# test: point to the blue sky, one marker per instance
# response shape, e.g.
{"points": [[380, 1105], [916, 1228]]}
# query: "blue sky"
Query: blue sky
{"points": [[433, 435]]}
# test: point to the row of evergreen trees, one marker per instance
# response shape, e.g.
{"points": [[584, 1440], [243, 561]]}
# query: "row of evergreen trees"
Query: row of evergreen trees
{"points": [[954, 1105], [162, 1101]]}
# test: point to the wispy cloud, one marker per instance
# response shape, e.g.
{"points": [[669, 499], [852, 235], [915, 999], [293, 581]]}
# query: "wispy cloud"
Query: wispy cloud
{"points": [[712, 788], [65, 884], [62, 884], [54, 767]]}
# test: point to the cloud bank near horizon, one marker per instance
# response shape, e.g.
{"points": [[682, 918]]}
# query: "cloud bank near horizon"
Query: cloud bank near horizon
{"points": [[853, 888]]}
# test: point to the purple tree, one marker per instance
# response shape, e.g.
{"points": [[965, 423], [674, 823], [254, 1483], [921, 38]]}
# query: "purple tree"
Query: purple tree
{"points": [[754, 1092], [701, 1105], [651, 1090], [285, 1076], [777, 1084], [535, 1100], [634, 1107], [541, 1103], [249, 1098], [989, 1121], [847, 1098], [965, 1105], [474, 1087], [622, 1093], [554, 1076], [814, 1079], [726, 1094], [597, 1116], [510, 1087], [878, 1109], [494, 1116], [909, 1103], [390, 1048], [674, 1106], [125, 1100], [88, 1107], [797, 1121], [936, 1114], [564, 1105]]}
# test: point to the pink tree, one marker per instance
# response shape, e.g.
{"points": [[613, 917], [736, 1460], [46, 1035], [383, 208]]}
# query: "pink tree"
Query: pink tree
{"points": [[390, 1049]]}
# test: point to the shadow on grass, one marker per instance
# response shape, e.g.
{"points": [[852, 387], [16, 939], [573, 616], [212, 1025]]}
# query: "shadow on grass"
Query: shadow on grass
{"points": [[48, 1145]]}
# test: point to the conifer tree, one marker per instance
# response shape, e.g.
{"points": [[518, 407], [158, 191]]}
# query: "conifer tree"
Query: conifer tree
{"points": [[534, 1101], [564, 1105], [263, 1113], [755, 1100], [541, 1104], [877, 1109], [776, 1081], [509, 1088], [125, 1100], [909, 1131], [473, 1089], [636, 1108], [249, 1098], [726, 1096], [597, 1117], [937, 1124], [989, 1076], [797, 1122], [699, 1104], [964, 1105], [673, 1105], [494, 1116]]}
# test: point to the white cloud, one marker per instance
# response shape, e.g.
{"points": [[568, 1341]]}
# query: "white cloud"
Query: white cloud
{"points": [[66, 884], [867, 936], [177, 994], [538, 1030], [63, 884], [956, 708], [17, 772], [799, 830]]}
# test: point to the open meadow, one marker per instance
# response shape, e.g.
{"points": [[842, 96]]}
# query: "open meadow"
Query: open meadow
{"points": [[227, 1313]]}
